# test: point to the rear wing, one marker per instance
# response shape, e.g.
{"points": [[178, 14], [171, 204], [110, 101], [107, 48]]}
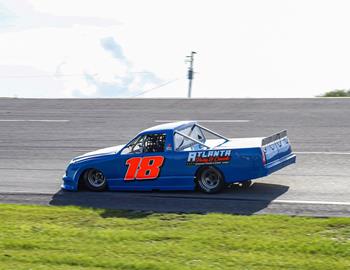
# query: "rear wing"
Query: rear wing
{"points": [[275, 137]]}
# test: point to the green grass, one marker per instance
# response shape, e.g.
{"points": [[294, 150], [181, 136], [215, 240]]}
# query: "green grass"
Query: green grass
{"points": [[37, 237]]}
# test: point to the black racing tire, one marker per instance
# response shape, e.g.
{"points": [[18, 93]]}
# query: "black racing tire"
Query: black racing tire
{"points": [[94, 180], [210, 180], [245, 184]]}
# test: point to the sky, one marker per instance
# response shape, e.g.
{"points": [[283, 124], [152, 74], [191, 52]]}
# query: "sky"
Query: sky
{"points": [[112, 48]]}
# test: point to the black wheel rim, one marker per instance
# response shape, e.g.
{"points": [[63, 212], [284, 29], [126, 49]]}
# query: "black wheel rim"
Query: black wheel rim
{"points": [[210, 179], [96, 178]]}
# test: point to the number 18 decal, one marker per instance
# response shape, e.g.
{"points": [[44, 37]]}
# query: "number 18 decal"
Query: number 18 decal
{"points": [[145, 168]]}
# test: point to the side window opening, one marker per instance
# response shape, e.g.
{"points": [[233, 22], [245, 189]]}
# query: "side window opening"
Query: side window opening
{"points": [[154, 143], [150, 143]]}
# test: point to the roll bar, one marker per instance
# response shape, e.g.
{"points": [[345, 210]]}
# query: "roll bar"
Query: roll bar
{"points": [[212, 132], [192, 139]]}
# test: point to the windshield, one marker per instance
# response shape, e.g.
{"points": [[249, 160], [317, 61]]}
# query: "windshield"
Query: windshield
{"points": [[135, 146]]}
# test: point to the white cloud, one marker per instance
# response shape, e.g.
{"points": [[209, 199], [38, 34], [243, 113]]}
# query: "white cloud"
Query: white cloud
{"points": [[245, 48], [83, 58]]}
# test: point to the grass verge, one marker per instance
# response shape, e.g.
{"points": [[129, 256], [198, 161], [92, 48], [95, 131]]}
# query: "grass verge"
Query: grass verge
{"points": [[38, 237]]}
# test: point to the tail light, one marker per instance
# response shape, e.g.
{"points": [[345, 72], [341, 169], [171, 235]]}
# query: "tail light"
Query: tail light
{"points": [[263, 156]]}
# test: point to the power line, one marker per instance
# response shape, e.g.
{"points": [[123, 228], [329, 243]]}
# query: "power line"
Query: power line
{"points": [[72, 75], [57, 76], [39, 76], [156, 87]]}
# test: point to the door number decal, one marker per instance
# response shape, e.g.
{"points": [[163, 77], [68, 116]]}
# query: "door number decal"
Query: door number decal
{"points": [[145, 168]]}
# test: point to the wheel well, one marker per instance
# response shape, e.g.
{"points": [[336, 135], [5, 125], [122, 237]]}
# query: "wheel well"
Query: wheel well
{"points": [[81, 184]]}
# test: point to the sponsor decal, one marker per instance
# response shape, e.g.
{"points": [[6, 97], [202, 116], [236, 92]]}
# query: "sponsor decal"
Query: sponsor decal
{"points": [[209, 157], [169, 147]]}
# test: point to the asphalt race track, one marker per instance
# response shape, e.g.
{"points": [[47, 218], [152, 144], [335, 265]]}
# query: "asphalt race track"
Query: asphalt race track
{"points": [[39, 137]]}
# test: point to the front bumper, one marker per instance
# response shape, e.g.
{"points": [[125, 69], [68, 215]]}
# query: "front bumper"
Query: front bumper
{"points": [[69, 183]]}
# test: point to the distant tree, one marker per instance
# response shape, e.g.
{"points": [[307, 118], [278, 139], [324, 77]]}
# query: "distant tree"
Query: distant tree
{"points": [[337, 93]]}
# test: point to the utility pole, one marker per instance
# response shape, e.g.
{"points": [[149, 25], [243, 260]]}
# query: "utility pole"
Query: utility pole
{"points": [[190, 73]]}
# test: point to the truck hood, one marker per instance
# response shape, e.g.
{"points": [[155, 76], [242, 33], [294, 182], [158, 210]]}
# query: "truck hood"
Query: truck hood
{"points": [[98, 153]]}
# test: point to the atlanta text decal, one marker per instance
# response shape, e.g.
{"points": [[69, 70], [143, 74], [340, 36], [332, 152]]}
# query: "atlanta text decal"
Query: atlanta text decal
{"points": [[209, 157]]}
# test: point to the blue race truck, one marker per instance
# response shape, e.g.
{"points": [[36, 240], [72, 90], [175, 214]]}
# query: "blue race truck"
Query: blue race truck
{"points": [[179, 156]]}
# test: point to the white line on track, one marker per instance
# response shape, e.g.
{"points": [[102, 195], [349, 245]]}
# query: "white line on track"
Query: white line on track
{"points": [[21, 192], [323, 153], [311, 202], [36, 120], [208, 121]]}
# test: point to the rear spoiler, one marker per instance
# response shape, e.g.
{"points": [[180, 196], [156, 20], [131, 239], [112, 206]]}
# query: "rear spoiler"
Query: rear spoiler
{"points": [[274, 137]]}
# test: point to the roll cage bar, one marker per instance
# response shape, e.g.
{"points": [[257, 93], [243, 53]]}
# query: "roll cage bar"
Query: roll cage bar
{"points": [[212, 132], [192, 139], [197, 141]]}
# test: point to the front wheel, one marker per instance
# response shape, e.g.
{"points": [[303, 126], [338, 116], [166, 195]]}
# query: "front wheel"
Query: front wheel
{"points": [[95, 180], [210, 180]]}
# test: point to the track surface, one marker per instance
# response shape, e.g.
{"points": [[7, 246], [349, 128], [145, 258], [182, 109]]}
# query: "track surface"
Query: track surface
{"points": [[33, 155]]}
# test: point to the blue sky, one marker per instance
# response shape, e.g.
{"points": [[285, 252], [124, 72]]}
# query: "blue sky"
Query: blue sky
{"points": [[111, 48]]}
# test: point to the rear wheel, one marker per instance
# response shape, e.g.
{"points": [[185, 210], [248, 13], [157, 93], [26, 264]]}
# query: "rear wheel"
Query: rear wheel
{"points": [[210, 180], [95, 180]]}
